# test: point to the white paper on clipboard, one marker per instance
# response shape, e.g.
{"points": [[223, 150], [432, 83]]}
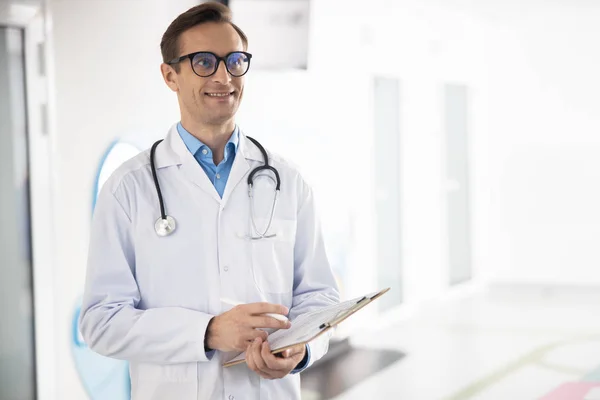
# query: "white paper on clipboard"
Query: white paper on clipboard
{"points": [[308, 325]]}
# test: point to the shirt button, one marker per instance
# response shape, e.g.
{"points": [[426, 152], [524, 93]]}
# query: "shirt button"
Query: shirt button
{"points": [[204, 151], [226, 268], [218, 176]]}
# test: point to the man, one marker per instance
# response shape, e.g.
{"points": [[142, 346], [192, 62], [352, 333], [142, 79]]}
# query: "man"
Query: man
{"points": [[161, 301]]}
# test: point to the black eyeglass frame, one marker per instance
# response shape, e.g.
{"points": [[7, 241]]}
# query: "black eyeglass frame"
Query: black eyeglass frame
{"points": [[219, 59]]}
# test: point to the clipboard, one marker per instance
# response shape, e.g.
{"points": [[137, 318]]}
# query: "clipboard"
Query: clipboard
{"points": [[307, 327]]}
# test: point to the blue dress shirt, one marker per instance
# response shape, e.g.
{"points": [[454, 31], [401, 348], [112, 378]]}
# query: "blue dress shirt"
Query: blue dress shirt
{"points": [[218, 174]]}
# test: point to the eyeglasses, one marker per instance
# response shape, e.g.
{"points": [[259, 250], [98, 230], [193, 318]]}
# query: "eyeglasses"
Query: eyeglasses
{"points": [[205, 63]]}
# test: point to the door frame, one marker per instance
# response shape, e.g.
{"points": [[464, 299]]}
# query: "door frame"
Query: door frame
{"points": [[33, 20]]}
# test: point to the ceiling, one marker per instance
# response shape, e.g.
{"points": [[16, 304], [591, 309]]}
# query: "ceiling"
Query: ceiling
{"points": [[498, 11]]}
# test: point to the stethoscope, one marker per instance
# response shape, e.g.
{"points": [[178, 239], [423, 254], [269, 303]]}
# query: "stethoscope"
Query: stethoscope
{"points": [[166, 224]]}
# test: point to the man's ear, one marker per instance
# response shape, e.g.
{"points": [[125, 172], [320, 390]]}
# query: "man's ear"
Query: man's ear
{"points": [[170, 76]]}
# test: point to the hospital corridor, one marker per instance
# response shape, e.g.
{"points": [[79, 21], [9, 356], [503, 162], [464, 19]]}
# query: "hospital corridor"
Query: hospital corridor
{"points": [[299, 199]]}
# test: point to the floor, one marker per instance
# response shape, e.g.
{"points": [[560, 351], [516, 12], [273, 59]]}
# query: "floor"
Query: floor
{"points": [[504, 343]]}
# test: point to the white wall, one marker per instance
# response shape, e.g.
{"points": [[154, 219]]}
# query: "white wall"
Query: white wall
{"points": [[426, 47], [544, 126]]}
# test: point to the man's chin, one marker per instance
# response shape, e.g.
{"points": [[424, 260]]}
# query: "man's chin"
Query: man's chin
{"points": [[218, 120], [220, 117]]}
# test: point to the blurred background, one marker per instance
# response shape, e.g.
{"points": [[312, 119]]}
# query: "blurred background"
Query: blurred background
{"points": [[452, 144]]}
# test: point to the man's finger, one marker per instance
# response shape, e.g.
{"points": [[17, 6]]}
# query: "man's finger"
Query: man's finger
{"points": [[264, 321], [279, 366], [252, 355], [272, 362], [256, 333], [263, 308], [256, 347], [292, 351], [250, 358]]}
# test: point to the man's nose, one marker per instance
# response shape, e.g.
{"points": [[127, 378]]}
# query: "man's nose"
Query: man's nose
{"points": [[222, 76]]}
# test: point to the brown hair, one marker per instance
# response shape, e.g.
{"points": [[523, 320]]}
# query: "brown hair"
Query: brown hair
{"points": [[206, 12]]}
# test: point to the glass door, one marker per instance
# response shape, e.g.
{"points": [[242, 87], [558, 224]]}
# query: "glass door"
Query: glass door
{"points": [[17, 357]]}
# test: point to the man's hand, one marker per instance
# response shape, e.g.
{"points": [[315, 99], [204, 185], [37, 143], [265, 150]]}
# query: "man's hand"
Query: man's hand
{"points": [[237, 328], [271, 366]]}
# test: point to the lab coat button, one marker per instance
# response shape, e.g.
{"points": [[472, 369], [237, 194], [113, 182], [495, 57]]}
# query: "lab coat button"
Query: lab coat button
{"points": [[226, 268], [231, 397]]}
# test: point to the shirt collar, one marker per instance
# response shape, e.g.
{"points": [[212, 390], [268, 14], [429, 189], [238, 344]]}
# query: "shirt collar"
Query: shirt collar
{"points": [[195, 145]]}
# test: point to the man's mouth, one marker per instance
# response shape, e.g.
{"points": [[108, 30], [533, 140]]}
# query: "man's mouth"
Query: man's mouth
{"points": [[219, 94]]}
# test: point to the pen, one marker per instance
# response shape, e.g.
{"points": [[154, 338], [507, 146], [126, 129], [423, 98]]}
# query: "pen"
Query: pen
{"points": [[279, 317]]}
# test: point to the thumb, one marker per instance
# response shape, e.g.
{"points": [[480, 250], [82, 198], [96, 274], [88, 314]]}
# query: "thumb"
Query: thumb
{"points": [[293, 351]]}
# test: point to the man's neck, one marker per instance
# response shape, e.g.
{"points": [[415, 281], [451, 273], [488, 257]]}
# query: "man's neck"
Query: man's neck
{"points": [[214, 136]]}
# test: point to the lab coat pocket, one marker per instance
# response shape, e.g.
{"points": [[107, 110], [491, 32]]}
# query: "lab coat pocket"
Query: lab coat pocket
{"points": [[161, 382], [181, 372], [273, 257]]}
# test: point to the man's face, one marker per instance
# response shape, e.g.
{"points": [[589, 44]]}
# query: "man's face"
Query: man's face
{"points": [[202, 98]]}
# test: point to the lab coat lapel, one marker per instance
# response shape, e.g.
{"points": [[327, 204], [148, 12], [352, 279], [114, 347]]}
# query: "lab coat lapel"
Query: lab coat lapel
{"points": [[190, 167], [241, 166]]}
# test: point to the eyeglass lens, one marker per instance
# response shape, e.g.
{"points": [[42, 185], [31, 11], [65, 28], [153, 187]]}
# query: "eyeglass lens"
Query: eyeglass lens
{"points": [[205, 64]]}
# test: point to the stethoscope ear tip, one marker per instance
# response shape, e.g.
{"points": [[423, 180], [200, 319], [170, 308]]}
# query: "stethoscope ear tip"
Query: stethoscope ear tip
{"points": [[166, 226]]}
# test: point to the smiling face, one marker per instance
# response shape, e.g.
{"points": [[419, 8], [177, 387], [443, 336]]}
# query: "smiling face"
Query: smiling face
{"points": [[213, 100]]}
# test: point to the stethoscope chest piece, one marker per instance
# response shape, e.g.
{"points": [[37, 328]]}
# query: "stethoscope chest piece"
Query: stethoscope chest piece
{"points": [[164, 227]]}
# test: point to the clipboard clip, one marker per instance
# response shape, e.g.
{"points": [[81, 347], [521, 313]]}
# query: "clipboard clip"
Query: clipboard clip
{"points": [[342, 314]]}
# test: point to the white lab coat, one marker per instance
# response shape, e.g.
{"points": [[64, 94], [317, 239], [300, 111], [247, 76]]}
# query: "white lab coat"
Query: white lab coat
{"points": [[148, 299]]}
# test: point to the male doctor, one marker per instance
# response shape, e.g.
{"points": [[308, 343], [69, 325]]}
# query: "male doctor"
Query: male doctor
{"points": [[160, 302]]}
